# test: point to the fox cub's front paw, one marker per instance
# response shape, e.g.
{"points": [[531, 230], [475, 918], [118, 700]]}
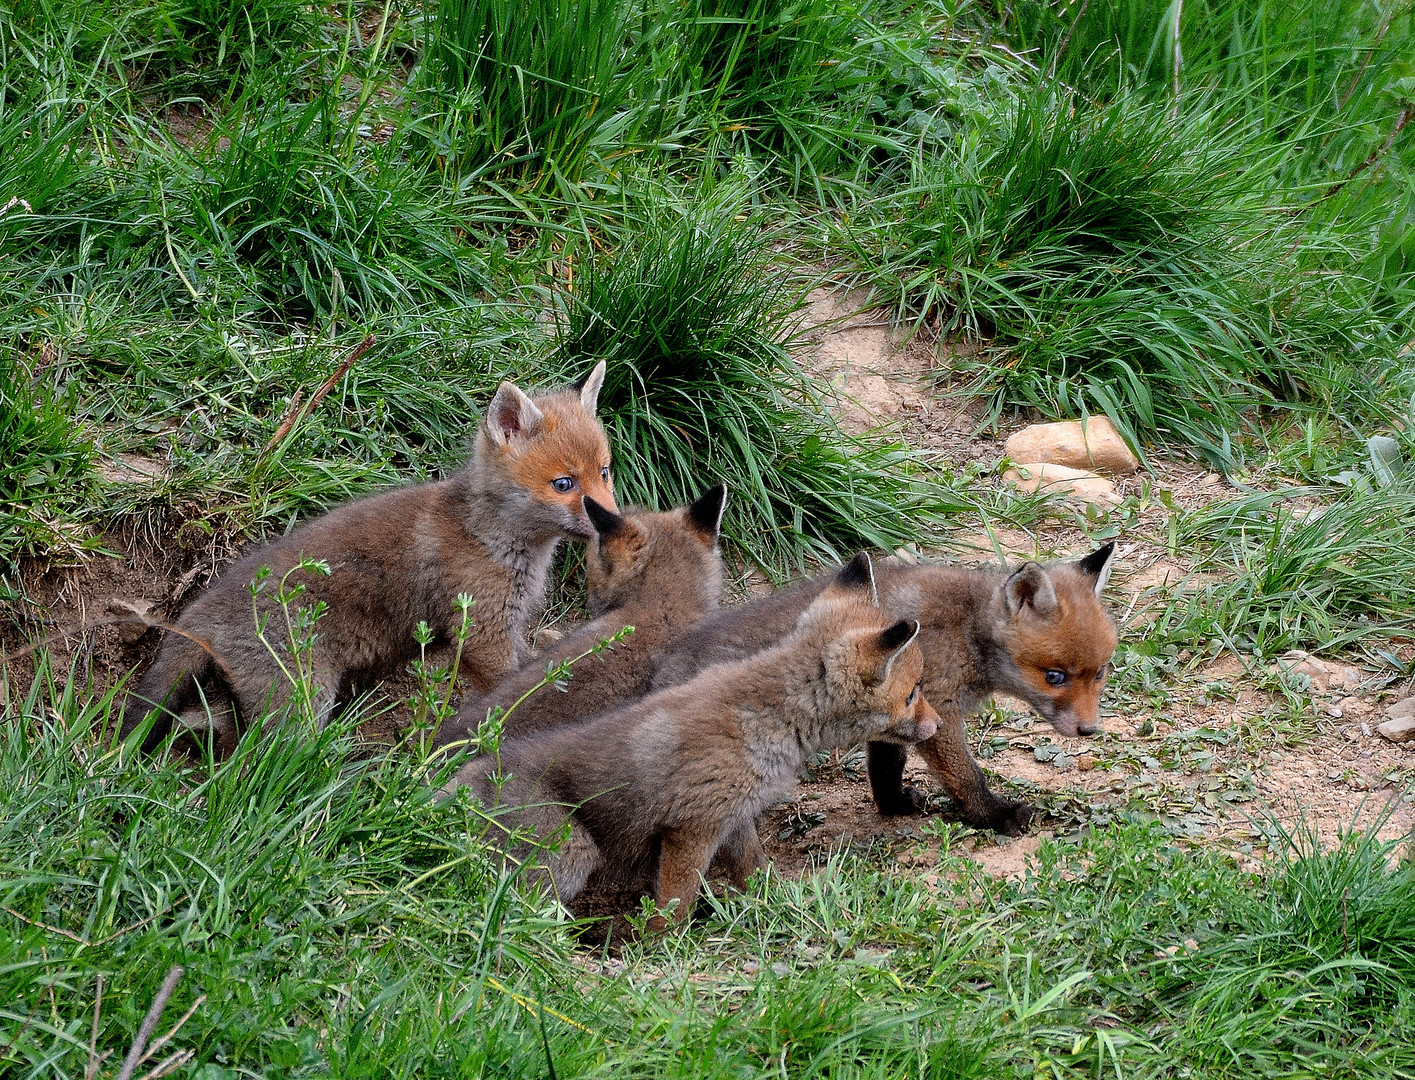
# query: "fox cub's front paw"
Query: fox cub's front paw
{"points": [[906, 800], [1005, 816]]}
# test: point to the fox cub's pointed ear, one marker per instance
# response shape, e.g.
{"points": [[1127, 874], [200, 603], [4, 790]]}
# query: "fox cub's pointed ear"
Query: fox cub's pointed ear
{"points": [[705, 515], [589, 389], [512, 415], [1030, 587], [859, 573], [896, 639], [605, 522], [1098, 564]]}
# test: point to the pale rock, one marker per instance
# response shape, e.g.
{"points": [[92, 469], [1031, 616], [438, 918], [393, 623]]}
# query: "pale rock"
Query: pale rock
{"points": [[1091, 444], [1077, 484], [1323, 674], [1401, 730], [136, 617], [1401, 710], [545, 637]]}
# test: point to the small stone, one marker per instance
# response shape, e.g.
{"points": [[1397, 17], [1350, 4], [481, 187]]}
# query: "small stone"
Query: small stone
{"points": [[751, 967], [1075, 484], [780, 970], [1212, 480], [1401, 710], [1334, 712], [1090, 444], [136, 615], [1297, 662], [1401, 730], [1086, 762], [545, 637]]}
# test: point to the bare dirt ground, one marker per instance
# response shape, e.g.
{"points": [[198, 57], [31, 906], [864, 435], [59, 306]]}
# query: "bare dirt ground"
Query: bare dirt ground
{"points": [[1220, 751], [1224, 758]]}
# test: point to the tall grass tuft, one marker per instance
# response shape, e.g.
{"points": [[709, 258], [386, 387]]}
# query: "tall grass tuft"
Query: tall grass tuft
{"points": [[44, 460], [537, 89], [1321, 961], [1310, 576], [1124, 259], [702, 386]]}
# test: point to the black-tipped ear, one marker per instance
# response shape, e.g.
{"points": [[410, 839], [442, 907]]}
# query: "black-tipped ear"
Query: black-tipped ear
{"points": [[894, 640], [1098, 565], [706, 514], [605, 522], [1030, 587], [898, 635], [589, 388], [859, 573]]}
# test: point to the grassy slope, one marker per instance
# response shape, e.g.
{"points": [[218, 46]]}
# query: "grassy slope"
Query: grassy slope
{"points": [[1183, 266], [339, 924]]}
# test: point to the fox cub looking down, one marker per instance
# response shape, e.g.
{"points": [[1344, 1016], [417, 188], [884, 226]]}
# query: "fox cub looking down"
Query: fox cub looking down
{"points": [[1039, 633], [659, 573], [395, 559], [663, 785]]}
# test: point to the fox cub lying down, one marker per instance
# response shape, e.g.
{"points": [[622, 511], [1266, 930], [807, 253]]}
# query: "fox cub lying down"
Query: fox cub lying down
{"points": [[395, 559], [1039, 633], [657, 788]]}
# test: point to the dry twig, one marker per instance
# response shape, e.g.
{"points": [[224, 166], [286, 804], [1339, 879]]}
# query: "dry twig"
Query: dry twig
{"points": [[149, 1023]]}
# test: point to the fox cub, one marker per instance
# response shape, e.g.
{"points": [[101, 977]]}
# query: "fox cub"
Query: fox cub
{"points": [[659, 573], [395, 559], [1038, 633], [661, 786]]}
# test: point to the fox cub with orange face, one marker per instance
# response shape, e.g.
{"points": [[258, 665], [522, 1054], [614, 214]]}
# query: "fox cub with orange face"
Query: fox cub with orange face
{"points": [[659, 573], [1039, 633], [395, 560], [659, 787]]}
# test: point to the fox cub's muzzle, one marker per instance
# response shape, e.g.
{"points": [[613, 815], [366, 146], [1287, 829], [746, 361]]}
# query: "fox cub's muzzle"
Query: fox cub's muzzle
{"points": [[921, 723]]}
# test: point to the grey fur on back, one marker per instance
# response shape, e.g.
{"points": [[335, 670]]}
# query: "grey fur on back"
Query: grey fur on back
{"points": [[705, 758], [657, 572]]}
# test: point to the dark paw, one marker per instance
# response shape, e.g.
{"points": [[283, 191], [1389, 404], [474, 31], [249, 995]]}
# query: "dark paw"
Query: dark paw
{"points": [[1003, 816], [906, 801]]}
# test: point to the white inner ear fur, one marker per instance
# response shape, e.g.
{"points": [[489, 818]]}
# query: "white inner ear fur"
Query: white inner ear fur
{"points": [[895, 654], [721, 510], [1104, 576], [589, 393], [511, 414], [874, 589], [1030, 585]]}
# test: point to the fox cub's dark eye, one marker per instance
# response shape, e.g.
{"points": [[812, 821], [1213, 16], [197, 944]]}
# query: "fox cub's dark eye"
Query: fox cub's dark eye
{"points": [[1055, 678], [563, 484], [604, 474], [913, 695]]}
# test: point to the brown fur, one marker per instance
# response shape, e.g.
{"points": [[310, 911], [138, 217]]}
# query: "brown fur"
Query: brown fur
{"points": [[660, 574], [395, 559], [984, 632], [662, 785]]}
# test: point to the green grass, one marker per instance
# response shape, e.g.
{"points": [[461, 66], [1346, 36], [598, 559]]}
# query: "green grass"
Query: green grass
{"points": [[1313, 576], [211, 202], [332, 919], [1122, 260], [695, 324], [44, 461]]}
